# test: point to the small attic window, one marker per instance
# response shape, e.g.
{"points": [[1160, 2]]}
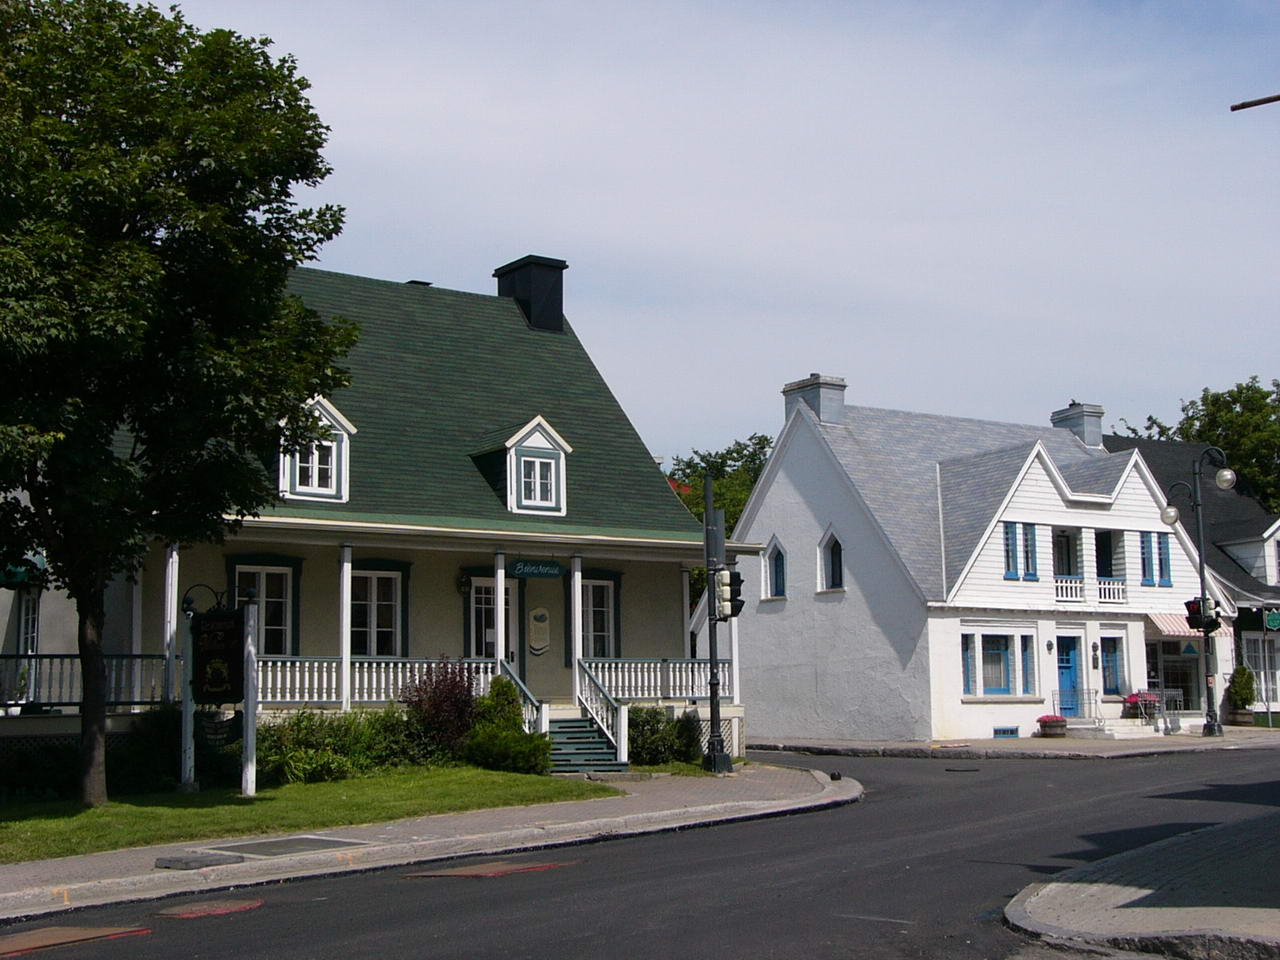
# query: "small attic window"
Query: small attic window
{"points": [[321, 471], [536, 462]]}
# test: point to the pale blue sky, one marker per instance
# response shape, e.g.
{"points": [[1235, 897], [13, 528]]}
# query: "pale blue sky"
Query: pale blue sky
{"points": [[984, 209]]}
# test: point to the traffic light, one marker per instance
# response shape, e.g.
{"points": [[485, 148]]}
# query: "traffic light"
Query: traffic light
{"points": [[729, 600], [1194, 620], [1209, 615]]}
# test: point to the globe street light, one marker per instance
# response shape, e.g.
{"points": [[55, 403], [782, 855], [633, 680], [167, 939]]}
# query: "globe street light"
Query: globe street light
{"points": [[1224, 479]]}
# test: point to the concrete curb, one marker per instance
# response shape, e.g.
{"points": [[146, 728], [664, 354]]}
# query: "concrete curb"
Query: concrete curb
{"points": [[22, 905], [995, 753], [1190, 944]]}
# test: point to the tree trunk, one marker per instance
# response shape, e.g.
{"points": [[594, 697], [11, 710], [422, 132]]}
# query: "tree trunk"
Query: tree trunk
{"points": [[93, 695]]}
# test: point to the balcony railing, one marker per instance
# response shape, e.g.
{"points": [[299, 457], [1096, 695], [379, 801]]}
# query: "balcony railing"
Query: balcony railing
{"points": [[53, 679], [1068, 588], [318, 680], [1112, 590], [660, 679]]}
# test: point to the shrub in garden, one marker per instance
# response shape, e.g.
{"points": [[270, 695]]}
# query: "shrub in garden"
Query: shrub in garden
{"points": [[652, 736], [495, 748], [500, 707], [688, 737], [441, 706]]}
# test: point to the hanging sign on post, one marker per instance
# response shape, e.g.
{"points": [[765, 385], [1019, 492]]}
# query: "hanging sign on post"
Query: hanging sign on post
{"points": [[217, 674]]}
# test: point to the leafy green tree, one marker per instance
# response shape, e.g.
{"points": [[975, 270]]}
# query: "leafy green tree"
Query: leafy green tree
{"points": [[1245, 422], [151, 364], [735, 470]]}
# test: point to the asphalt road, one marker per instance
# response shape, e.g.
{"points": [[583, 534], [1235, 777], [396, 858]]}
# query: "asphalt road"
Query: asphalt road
{"points": [[921, 868]]}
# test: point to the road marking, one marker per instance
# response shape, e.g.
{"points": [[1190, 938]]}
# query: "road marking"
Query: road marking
{"points": [[499, 868], [208, 908], [66, 895], [16, 944], [859, 916]]}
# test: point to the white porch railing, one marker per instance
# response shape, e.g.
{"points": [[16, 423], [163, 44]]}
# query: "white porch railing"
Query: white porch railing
{"points": [[1111, 590], [54, 679], [536, 718], [608, 713], [1068, 588], [318, 680], [660, 679]]}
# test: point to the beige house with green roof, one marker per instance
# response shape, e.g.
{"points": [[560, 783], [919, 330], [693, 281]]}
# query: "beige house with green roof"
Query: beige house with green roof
{"points": [[477, 454]]}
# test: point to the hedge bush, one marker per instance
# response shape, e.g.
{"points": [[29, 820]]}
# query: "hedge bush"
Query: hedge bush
{"points": [[658, 738], [441, 706], [514, 751]]}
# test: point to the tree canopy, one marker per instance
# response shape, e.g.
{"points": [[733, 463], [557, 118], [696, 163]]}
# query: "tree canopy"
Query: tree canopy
{"points": [[151, 365], [735, 470], [1244, 421]]}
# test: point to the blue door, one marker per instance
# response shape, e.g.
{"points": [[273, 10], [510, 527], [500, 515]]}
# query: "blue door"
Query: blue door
{"points": [[1069, 676]]}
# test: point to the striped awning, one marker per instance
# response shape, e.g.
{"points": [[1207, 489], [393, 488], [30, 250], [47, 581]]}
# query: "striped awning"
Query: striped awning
{"points": [[1175, 625]]}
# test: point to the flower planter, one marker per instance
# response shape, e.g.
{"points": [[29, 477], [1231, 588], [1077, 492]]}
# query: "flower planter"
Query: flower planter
{"points": [[1240, 718], [1053, 728]]}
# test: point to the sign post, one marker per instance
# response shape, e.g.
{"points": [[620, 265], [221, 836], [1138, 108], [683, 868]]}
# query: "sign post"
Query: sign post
{"points": [[187, 778], [249, 755]]}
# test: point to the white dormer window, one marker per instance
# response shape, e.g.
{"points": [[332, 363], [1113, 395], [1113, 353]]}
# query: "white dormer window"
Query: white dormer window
{"points": [[321, 471], [538, 480]]}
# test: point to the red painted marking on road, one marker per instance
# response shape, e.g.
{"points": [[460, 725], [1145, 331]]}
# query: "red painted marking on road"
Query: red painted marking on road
{"points": [[209, 908], [18, 944], [501, 868]]}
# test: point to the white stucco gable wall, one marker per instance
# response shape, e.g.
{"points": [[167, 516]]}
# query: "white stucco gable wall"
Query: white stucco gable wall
{"points": [[847, 663]]}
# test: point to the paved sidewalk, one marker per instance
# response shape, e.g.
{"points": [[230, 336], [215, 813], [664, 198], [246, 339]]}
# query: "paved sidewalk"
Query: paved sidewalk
{"points": [[1210, 893], [1072, 748], [649, 806]]}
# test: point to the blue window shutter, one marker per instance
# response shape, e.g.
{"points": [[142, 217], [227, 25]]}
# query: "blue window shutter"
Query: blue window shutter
{"points": [[1029, 571], [1166, 574], [1148, 566], [1010, 551], [1110, 666], [966, 657]]}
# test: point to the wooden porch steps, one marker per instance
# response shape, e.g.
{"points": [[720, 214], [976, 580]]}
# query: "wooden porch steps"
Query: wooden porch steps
{"points": [[577, 744]]}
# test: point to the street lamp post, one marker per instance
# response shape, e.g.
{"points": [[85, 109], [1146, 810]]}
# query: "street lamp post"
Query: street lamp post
{"points": [[1225, 479]]}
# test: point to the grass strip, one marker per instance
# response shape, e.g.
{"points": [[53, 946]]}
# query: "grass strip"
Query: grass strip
{"points": [[40, 831]]}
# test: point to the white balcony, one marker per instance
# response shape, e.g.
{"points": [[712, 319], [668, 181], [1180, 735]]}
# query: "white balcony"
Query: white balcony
{"points": [[1068, 588], [1112, 590]]}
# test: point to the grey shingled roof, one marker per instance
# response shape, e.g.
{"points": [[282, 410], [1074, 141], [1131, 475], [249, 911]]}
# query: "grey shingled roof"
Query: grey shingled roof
{"points": [[1228, 514], [972, 490], [1097, 475], [894, 458]]}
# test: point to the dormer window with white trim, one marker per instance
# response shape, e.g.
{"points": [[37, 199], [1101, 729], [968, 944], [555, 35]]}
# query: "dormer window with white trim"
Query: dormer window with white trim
{"points": [[321, 471], [527, 464]]}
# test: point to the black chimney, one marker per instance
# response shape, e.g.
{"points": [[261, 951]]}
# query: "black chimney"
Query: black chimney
{"points": [[537, 284]]}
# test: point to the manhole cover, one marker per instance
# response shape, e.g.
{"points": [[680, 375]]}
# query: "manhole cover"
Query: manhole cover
{"points": [[208, 908], [197, 861], [287, 845], [499, 868], [16, 944]]}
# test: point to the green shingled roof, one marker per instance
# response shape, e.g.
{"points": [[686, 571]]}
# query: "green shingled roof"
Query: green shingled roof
{"points": [[435, 371]]}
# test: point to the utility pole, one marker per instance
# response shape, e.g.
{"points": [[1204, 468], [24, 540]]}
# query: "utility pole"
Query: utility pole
{"points": [[716, 759]]}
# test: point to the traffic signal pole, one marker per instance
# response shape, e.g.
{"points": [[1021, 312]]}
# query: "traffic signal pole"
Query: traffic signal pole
{"points": [[716, 759]]}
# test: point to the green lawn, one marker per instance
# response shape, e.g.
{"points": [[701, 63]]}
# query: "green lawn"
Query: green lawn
{"points": [[37, 831]]}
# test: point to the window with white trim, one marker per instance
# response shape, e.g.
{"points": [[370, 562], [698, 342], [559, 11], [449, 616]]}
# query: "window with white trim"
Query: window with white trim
{"points": [[274, 587], [1028, 642], [775, 572], [830, 563], [599, 634], [322, 470], [1112, 665], [538, 480], [29, 622], [997, 664], [375, 613]]}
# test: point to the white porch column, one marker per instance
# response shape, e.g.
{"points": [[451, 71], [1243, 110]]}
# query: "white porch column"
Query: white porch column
{"points": [[344, 623], [135, 635], [499, 607], [170, 621], [733, 664], [575, 619], [688, 620]]}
